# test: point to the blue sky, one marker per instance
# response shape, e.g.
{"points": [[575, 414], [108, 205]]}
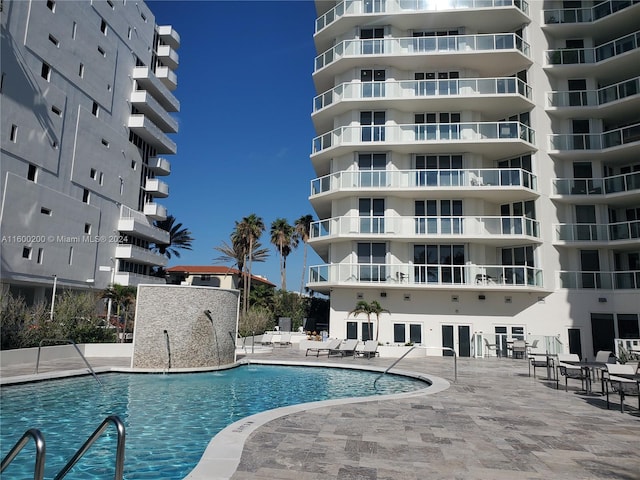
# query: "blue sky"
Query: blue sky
{"points": [[245, 88]]}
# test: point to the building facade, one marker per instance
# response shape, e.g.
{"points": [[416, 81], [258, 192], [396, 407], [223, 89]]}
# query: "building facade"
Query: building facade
{"points": [[478, 171], [87, 99], [212, 276]]}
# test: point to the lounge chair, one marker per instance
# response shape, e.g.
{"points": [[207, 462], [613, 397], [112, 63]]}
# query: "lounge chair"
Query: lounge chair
{"points": [[619, 379], [567, 369], [285, 340], [325, 347], [605, 356], [348, 347], [370, 349], [267, 339]]}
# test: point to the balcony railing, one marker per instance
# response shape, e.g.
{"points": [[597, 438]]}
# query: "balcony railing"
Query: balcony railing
{"points": [[595, 141], [597, 186], [360, 7], [572, 56], [427, 275], [595, 232], [594, 98], [422, 45], [620, 280], [424, 132], [412, 89], [467, 226], [585, 15], [401, 179]]}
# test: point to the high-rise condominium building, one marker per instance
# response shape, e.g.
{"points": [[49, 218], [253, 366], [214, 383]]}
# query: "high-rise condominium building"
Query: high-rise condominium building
{"points": [[478, 171], [86, 94]]}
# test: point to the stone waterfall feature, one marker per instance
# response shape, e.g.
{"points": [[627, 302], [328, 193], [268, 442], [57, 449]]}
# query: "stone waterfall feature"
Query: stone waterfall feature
{"points": [[180, 326]]}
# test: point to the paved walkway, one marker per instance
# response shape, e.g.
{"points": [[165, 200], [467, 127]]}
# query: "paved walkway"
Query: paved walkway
{"points": [[494, 423]]}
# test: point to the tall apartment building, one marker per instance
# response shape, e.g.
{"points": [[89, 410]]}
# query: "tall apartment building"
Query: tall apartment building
{"points": [[86, 94], [478, 171]]}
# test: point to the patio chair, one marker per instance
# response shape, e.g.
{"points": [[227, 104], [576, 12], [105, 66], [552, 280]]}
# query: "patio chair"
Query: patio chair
{"points": [[267, 339], [490, 346], [536, 361], [285, 340], [566, 368], [519, 349], [348, 347], [605, 356], [325, 347], [370, 349], [617, 378]]}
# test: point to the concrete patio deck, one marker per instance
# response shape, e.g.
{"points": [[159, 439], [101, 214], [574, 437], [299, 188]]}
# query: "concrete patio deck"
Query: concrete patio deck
{"points": [[494, 423]]}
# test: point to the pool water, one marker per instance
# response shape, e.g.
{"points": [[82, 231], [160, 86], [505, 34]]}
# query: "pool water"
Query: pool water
{"points": [[169, 419]]}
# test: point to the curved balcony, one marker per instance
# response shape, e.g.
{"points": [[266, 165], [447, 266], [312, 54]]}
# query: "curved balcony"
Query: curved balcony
{"points": [[168, 77], [599, 143], [476, 94], [618, 189], [169, 36], [168, 56], [618, 280], [155, 211], [160, 166], [572, 22], [408, 275], [596, 234], [494, 140], [486, 15], [611, 100], [513, 53], [140, 255], [136, 223], [488, 229]]}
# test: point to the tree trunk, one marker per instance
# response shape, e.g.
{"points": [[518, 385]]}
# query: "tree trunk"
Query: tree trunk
{"points": [[304, 267]]}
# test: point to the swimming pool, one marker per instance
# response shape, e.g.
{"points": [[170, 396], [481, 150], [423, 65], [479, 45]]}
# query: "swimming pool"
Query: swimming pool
{"points": [[169, 419]]}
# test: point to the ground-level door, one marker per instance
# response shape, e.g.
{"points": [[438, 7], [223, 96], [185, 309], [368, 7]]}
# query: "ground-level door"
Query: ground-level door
{"points": [[457, 337]]}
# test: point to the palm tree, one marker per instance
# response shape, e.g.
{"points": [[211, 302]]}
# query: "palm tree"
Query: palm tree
{"points": [[236, 254], [369, 309], [302, 228], [283, 237], [179, 238], [247, 233], [123, 297]]}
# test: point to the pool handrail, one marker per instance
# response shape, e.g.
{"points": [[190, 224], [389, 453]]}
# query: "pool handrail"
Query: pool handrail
{"points": [[38, 438], [66, 340], [119, 470], [449, 349]]}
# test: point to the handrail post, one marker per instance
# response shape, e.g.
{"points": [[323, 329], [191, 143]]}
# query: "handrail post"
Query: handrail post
{"points": [[38, 473], [71, 342]]}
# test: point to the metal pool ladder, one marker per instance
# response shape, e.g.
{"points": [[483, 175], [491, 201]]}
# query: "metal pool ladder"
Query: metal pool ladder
{"points": [[52, 340], [38, 473]]}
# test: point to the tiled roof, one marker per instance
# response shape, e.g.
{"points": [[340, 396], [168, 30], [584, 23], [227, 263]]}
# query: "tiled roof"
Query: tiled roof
{"points": [[213, 270]]}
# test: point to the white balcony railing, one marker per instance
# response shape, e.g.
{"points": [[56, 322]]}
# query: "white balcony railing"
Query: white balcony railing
{"points": [[585, 15], [595, 141], [618, 280], [573, 56], [419, 226], [424, 133], [141, 255], [594, 98], [168, 56], [159, 166], [516, 276], [413, 89], [423, 45], [155, 211], [148, 105], [628, 182], [403, 179], [148, 81], [128, 279], [387, 7], [149, 131], [133, 221], [597, 232], [156, 187]]}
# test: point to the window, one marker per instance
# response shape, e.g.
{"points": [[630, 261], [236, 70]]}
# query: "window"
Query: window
{"points": [[51, 5], [399, 334], [56, 110], [40, 255], [54, 40], [371, 213], [45, 72], [133, 165], [434, 126], [352, 330], [74, 29], [518, 259], [144, 17], [95, 109], [54, 144], [205, 278], [438, 217], [439, 263], [101, 178], [105, 142], [45, 211], [26, 253], [87, 228], [85, 196], [372, 41], [103, 27], [438, 170], [371, 256], [373, 83], [101, 51], [372, 168], [81, 70], [92, 173], [372, 126], [110, 3], [70, 255], [2, 81], [129, 33], [14, 133], [31, 172]]}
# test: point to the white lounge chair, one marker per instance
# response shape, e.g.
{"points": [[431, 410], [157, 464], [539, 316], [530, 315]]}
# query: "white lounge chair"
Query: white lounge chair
{"points": [[267, 339], [348, 347], [370, 349], [285, 340], [623, 380], [324, 347]]}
